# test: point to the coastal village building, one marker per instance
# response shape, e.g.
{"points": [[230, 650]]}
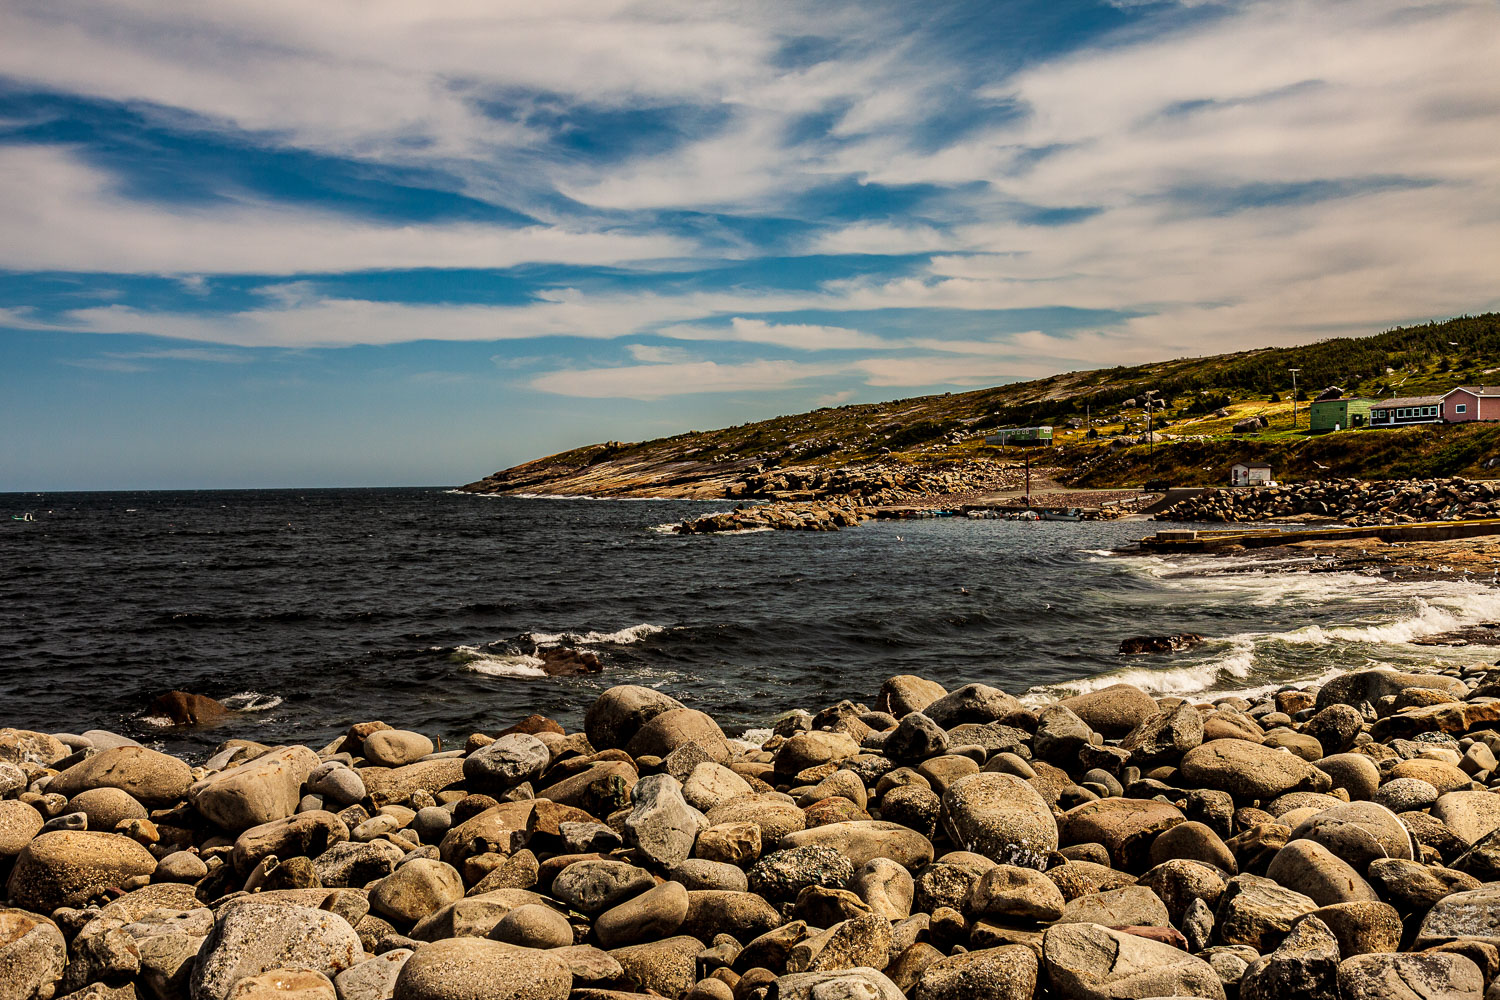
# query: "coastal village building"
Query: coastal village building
{"points": [[1337, 414], [1471, 402], [1249, 474], [1405, 410], [1020, 436]]}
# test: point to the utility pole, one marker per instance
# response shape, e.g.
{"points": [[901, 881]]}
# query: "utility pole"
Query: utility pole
{"points": [[1028, 480], [1294, 372], [1150, 437]]}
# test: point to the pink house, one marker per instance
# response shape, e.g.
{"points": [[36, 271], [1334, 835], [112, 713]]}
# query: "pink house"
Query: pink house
{"points": [[1471, 402]]}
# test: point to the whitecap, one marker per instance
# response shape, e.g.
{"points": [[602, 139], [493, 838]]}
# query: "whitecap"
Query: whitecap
{"points": [[499, 665], [620, 637], [252, 701]]}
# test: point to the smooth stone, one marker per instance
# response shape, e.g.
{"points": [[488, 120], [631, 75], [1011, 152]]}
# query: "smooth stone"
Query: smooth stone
{"points": [[1131, 906], [373, 979], [251, 937], [1358, 833], [396, 747], [1193, 841], [1405, 794], [1001, 817], [1250, 771], [284, 984], [859, 983], [1471, 815], [656, 913], [885, 886], [471, 968], [976, 704], [416, 889], [267, 788], [675, 728], [1126, 827], [1354, 772], [710, 784], [336, 782], [1091, 962], [1010, 892], [150, 777], [1410, 976], [619, 713], [19, 823], [697, 873], [661, 825], [771, 812], [1008, 972], [506, 763], [69, 868], [592, 887], [1472, 914], [1307, 867], [669, 966], [33, 955], [1114, 710], [906, 693], [864, 840], [533, 925]]}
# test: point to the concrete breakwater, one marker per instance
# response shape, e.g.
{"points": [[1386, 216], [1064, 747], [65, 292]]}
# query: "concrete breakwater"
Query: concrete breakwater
{"points": [[1352, 501], [1318, 842]]}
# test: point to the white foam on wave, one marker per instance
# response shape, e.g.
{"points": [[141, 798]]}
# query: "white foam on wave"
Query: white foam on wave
{"points": [[1435, 613], [1237, 662], [252, 701], [157, 721], [620, 637], [499, 665]]}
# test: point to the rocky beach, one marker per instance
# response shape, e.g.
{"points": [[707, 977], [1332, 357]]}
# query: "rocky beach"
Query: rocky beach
{"points": [[1328, 841]]}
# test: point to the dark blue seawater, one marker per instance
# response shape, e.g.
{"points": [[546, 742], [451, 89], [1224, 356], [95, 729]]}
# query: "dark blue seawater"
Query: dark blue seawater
{"points": [[312, 609]]}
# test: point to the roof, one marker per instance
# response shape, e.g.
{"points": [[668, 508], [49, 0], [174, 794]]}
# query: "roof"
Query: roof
{"points": [[1251, 465], [1476, 390], [1344, 399], [1402, 402]]}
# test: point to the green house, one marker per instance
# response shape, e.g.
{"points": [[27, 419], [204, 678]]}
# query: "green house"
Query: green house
{"points": [[1339, 414]]}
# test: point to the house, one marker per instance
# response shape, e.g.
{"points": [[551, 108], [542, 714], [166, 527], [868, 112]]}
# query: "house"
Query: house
{"points": [[1405, 410], [1249, 474], [1020, 436], [1471, 402], [1337, 414]]}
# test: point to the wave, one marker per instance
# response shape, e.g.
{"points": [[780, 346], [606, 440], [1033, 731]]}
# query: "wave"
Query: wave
{"points": [[621, 637], [252, 701], [1238, 662], [490, 664]]}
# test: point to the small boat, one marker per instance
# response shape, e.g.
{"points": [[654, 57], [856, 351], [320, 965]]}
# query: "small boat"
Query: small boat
{"points": [[1024, 515], [28, 516], [1062, 514]]}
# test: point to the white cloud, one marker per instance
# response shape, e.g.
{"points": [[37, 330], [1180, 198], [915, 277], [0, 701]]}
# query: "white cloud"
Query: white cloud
{"points": [[682, 379], [59, 214], [804, 336]]}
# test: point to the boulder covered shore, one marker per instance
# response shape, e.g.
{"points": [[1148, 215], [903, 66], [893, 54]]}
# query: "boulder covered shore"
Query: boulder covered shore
{"points": [[1333, 842], [1351, 501]]}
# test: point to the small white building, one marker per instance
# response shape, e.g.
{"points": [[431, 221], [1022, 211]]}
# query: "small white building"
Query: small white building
{"points": [[1249, 474]]}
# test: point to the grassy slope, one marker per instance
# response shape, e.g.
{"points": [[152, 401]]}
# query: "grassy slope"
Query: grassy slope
{"points": [[935, 429]]}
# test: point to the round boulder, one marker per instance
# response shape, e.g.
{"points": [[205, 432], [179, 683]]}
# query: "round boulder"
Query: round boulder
{"points": [[70, 867], [1001, 817], [469, 968]]}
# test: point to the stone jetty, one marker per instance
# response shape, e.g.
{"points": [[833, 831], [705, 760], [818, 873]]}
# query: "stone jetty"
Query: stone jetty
{"points": [[1351, 501], [822, 515], [1328, 842]]}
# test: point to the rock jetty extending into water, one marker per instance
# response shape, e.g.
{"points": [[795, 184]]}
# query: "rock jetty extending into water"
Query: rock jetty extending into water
{"points": [[1353, 501], [1323, 843], [824, 515]]}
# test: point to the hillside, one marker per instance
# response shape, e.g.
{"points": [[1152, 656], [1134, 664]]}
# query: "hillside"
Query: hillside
{"points": [[1099, 438]]}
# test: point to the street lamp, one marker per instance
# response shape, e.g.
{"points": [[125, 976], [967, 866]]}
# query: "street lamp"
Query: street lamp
{"points": [[1294, 372]]}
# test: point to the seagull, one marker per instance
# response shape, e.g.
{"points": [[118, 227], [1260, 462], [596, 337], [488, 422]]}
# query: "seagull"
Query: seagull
{"points": [[1319, 464]]}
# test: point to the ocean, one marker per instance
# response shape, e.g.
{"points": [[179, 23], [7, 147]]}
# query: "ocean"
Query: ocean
{"points": [[308, 610]]}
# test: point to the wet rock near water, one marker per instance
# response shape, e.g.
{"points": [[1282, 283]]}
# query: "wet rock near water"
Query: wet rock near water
{"points": [[1341, 841]]}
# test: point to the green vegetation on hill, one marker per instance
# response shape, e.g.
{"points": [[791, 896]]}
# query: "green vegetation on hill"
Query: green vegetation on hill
{"points": [[1204, 398]]}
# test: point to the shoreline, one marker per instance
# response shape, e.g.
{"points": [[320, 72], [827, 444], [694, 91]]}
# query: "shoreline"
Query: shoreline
{"points": [[924, 842]]}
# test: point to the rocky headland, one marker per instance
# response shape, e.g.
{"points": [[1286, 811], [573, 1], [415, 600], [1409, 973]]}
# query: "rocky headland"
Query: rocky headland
{"points": [[1340, 841]]}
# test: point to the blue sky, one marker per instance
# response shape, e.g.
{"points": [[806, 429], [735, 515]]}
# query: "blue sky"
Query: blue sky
{"points": [[377, 242]]}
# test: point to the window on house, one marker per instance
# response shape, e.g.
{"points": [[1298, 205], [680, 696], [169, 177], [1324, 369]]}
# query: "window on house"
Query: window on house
{"points": [[1460, 408]]}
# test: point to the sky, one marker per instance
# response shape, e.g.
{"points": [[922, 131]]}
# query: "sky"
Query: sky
{"points": [[374, 242]]}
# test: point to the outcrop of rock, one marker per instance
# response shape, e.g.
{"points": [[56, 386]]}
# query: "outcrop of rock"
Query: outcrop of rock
{"points": [[1340, 842]]}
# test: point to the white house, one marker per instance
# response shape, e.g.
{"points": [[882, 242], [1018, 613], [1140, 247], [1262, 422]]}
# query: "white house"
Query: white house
{"points": [[1249, 474]]}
